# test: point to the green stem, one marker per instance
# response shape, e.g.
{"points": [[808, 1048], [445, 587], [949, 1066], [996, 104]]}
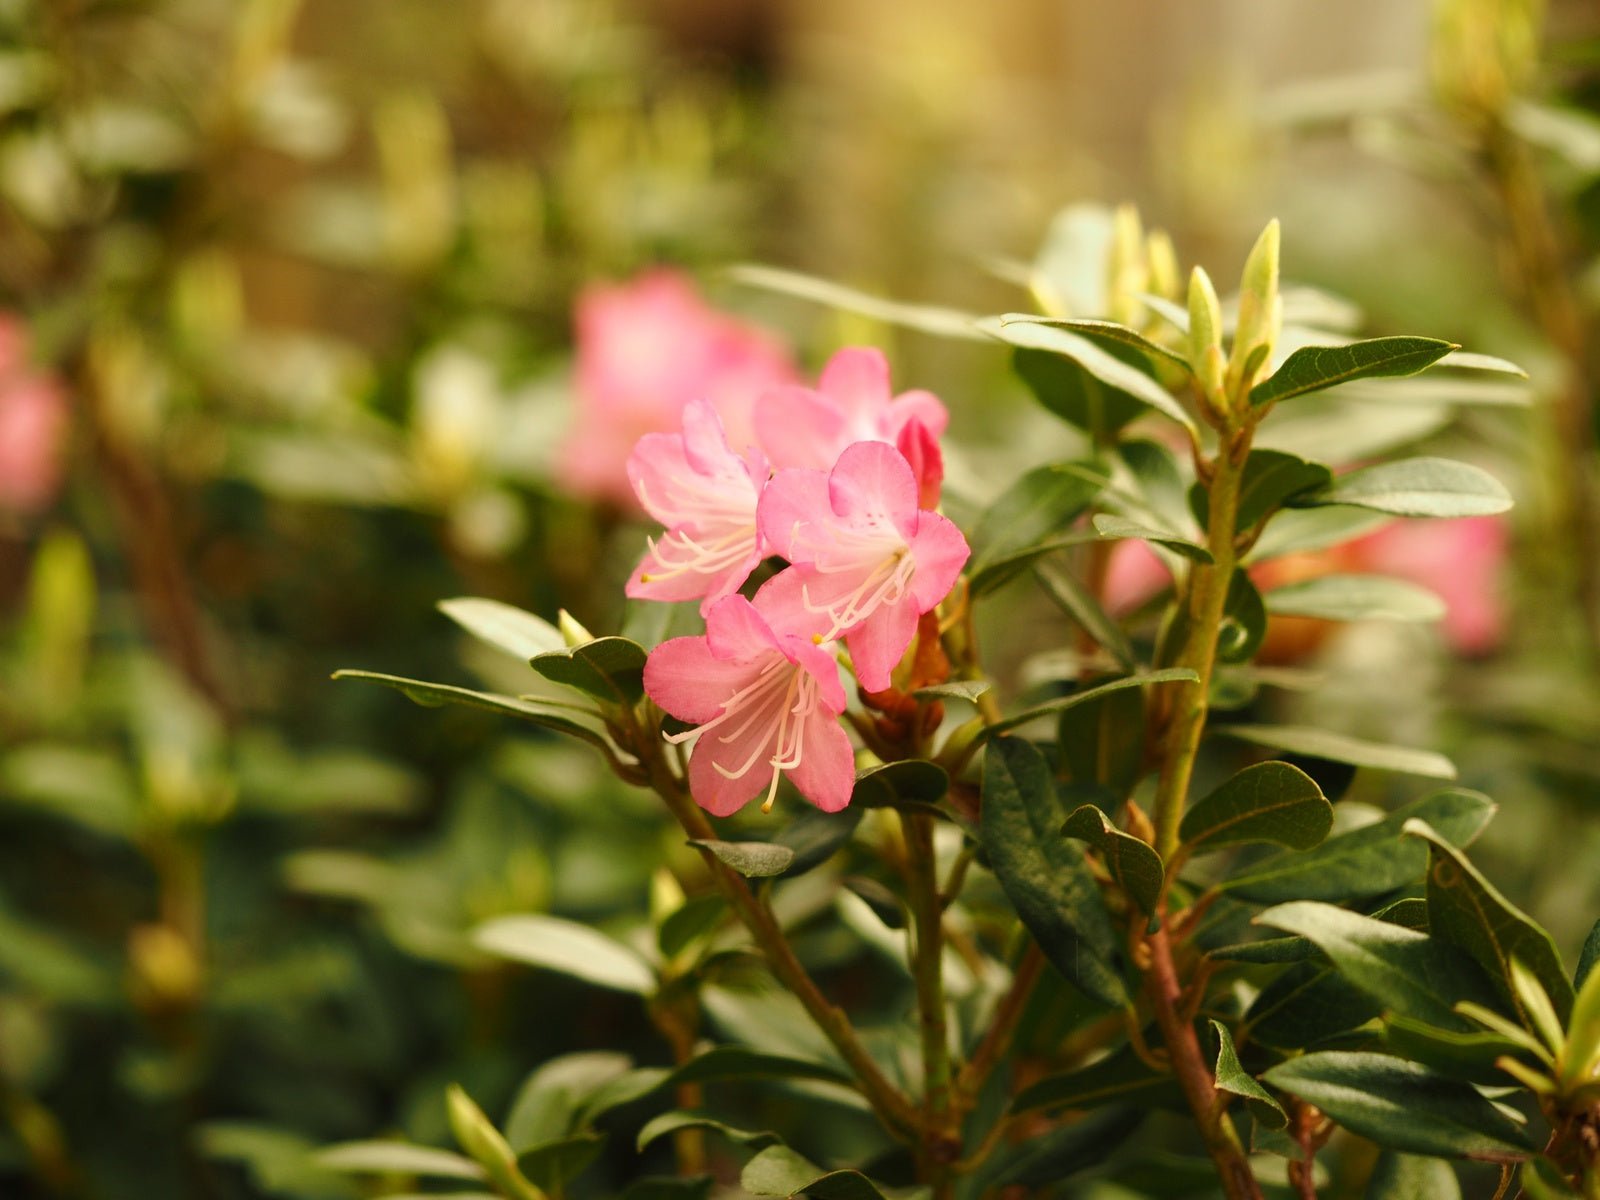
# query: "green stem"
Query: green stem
{"points": [[941, 1142]]}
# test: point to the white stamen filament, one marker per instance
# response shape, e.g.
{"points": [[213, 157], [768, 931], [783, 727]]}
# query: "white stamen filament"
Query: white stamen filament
{"points": [[678, 553], [696, 499], [886, 583]]}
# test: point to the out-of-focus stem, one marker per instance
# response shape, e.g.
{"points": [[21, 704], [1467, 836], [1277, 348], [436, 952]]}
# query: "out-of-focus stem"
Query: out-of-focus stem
{"points": [[941, 1143]]}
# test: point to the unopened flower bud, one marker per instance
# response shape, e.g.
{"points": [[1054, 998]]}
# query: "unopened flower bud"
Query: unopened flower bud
{"points": [[1162, 260], [1260, 313]]}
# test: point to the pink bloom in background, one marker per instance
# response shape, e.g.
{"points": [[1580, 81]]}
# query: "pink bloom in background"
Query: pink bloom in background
{"points": [[852, 402], [864, 557], [705, 495], [765, 699], [33, 426], [1462, 560], [645, 349]]}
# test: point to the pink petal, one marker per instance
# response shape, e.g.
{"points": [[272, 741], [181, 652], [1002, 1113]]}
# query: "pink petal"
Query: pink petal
{"points": [[1134, 575], [654, 469], [917, 405], [796, 427], [940, 552], [793, 502], [705, 446], [781, 601], [921, 449], [858, 378], [873, 482], [878, 643], [826, 775], [736, 632], [688, 681], [824, 668], [714, 791], [669, 586]]}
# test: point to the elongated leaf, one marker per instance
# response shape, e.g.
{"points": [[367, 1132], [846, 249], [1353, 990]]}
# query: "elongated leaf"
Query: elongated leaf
{"points": [[503, 626], [884, 903], [1412, 1177], [568, 947], [1401, 1105], [1043, 874], [754, 860], [1336, 747], [399, 1158], [1312, 368], [1266, 950], [914, 781], [1100, 363], [610, 668], [814, 836], [1103, 331], [1409, 973], [1133, 864], [435, 695], [722, 1063], [552, 1165], [1107, 525], [1587, 957], [671, 1122], [1119, 1078], [1355, 598], [1231, 1077], [1071, 597], [779, 1171], [1368, 861], [1267, 802], [1270, 478], [1307, 1005], [925, 318], [1064, 388], [1418, 487], [1037, 508], [957, 689], [1165, 675], [669, 1187], [1102, 742], [1465, 908], [1058, 1155]]}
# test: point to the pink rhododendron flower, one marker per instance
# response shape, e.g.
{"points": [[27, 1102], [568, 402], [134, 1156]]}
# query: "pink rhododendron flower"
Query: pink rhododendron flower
{"points": [[33, 426], [645, 349], [863, 555], [852, 402], [765, 698], [705, 495]]}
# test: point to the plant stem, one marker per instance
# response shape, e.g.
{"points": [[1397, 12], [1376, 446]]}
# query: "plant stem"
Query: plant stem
{"points": [[941, 1142], [1002, 1026]]}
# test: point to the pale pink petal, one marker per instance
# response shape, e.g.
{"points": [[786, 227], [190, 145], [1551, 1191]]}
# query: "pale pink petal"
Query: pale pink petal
{"points": [[714, 791], [921, 450], [940, 552], [782, 603], [872, 482], [794, 505], [826, 774], [735, 631], [796, 427], [824, 668], [655, 470], [1133, 576], [33, 432], [688, 681], [916, 405], [1462, 560], [878, 643], [658, 578], [858, 378]]}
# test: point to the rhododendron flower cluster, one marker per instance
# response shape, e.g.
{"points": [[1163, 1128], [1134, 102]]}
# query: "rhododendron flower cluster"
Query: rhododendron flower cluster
{"points": [[33, 425], [849, 508]]}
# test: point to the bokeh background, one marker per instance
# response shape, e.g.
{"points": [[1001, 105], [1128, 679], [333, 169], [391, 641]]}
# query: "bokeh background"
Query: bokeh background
{"points": [[286, 358]]}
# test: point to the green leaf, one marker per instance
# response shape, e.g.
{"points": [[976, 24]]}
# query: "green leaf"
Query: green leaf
{"points": [[925, 318], [1336, 747], [957, 689], [1266, 950], [1465, 909], [1270, 478], [1244, 620], [1165, 675], [885, 904], [1102, 742], [1368, 861], [1064, 388], [1045, 877], [1037, 507], [1412, 1177], [1587, 957], [1102, 331], [398, 1158], [779, 1171], [1133, 864], [1267, 802], [1233, 1078], [566, 946], [1401, 1105], [1056, 1156], [1418, 487], [555, 1098], [1312, 368], [913, 781], [722, 1063], [435, 695], [669, 1187], [1411, 974], [814, 835], [671, 1122], [1306, 1005], [608, 668], [693, 919], [1102, 364], [553, 1165], [520, 634], [1355, 598], [1076, 601], [1122, 1077], [1108, 525], [753, 860]]}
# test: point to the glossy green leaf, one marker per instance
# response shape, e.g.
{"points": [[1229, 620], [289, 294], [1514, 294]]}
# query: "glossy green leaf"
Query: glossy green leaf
{"points": [[1122, 1077], [914, 781], [669, 1123], [1102, 742], [435, 695], [1307, 1005], [1076, 601], [1038, 507], [566, 946], [1336, 747], [1102, 331], [780, 1171], [1412, 1177], [1313, 368], [1266, 950], [1541, 1179], [1133, 864], [1418, 487], [1268, 802], [1110, 526], [814, 836], [1233, 1078], [608, 668], [1064, 388], [1367, 861], [398, 1158], [1355, 598], [557, 1097], [1043, 874], [553, 1165], [754, 860], [1401, 1105], [1271, 477], [1465, 909], [1061, 703], [503, 626]]}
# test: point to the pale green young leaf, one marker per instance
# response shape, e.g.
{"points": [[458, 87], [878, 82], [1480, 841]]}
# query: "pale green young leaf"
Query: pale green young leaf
{"points": [[568, 947], [1233, 1078], [1418, 487], [1355, 598]]}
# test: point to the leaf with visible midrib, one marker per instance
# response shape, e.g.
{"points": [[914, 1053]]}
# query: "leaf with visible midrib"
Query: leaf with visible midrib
{"points": [[1267, 802], [1133, 864], [1337, 747], [1165, 675], [779, 1171], [568, 947], [1231, 1077], [435, 695], [609, 668], [503, 626], [1121, 1077], [1313, 368], [1418, 487]]}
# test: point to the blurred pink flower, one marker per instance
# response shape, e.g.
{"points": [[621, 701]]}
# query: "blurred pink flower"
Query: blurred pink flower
{"points": [[33, 426], [765, 699], [863, 555], [644, 350], [705, 495]]}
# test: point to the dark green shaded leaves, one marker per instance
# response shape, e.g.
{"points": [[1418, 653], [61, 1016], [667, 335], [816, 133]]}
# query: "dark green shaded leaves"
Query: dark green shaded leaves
{"points": [[1271, 477], [568, 947], [1064, 388], [1267, 802], [1306, 1005], [1244, 620], [1044, 875], [609, 668], [671, 1122], [740, 1062], [1103, 332], [1313, 368], [1231, 1077], [1102, 742], [1166, 675], [552, 1165], [1108, 525], [1078, 603], [1587, 957], [1033, 510], [753, 860], [814, 835], [1133, 864], [1401, 1105], [779, 1171], [1336, 747], [691, 920], [1058, 1155], [435, 695], [886, 906], [1412, 1177], [1418, 487], [1266, 950], [669, 1187], [1119, 1078], [1465, 908], [1355, 598], [914, 781], [1368, 861]]}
